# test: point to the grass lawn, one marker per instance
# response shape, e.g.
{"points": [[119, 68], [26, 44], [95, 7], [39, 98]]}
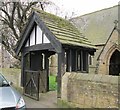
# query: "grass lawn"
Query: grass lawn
{"points": [[52, 83]]}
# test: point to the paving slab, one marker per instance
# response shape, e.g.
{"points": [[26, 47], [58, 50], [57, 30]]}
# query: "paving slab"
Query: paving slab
{"points": [[47, 100]]}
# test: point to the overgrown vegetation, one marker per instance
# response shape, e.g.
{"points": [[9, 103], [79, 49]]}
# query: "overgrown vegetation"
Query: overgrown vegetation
{"points": [[52, 83], [66, 105]]}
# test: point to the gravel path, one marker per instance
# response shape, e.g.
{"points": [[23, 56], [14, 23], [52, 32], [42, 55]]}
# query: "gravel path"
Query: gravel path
{"points": [[47, 100]]}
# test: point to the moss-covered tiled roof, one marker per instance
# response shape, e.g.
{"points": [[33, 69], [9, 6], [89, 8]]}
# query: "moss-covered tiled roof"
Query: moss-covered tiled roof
{"points": [[97, 26], [63, 30]]}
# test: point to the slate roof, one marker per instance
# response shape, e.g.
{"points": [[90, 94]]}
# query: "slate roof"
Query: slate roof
{"points": [[63, 30], [97, 26]]}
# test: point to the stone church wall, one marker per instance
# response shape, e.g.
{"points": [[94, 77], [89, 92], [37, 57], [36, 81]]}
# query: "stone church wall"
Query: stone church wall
{"points": [[106, 53]]}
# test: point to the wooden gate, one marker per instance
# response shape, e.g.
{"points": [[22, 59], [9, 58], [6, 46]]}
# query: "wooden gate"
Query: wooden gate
{"points": [[35, 82], [31, 86], [44, 81]]}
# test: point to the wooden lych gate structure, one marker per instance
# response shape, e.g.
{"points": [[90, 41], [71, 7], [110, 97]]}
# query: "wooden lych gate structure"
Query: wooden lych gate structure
{"points": [[45, 35]]}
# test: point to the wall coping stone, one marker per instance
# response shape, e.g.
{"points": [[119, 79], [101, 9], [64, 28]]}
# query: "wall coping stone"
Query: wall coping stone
{"points": [[98, 78]]}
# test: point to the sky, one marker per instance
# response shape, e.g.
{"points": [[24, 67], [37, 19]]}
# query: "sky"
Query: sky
{"points": [[81, 7]]}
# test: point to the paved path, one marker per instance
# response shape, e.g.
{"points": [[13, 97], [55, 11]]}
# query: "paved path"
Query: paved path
{"points": [[47, 100]]}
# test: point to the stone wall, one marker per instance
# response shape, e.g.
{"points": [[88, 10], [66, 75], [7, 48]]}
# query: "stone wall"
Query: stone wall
{"points": [[6, 60], [90, 90], [12, 75], [53, 65]]}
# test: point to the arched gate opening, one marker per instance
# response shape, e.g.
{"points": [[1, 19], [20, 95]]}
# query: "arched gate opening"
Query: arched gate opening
{"points": [[36, 73]]}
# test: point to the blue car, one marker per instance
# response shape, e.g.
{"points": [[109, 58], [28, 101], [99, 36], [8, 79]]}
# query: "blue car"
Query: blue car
{"points": [[9, 97]]}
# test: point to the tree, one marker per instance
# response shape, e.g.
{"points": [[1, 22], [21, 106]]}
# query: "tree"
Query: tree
{"points": [[13, 18]]}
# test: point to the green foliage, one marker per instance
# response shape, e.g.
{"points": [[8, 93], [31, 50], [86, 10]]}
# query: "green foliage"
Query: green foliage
{"points": [[64, 104], [52, 83]]}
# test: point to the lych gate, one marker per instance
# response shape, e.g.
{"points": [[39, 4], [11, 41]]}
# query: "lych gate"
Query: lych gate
{"points": [[46, 35]]}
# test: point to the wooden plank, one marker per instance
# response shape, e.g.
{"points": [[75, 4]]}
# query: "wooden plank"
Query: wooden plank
{"points": [[66, 51], [33, 82], [39, 47], [26, 66], [73, 59], [63, 62], [61, 71], [87, 65], [42, 37], [76, 60], [47, 68], [29, 41], [22, 70], [35, 34], [81, 54], [69, 61], [43, 81]]}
